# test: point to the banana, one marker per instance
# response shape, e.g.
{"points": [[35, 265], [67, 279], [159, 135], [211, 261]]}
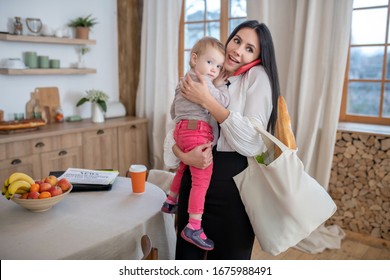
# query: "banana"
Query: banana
{"points": [[21, 190], [4, 189], [17, 186], [6, 182], [18, 191], [20, 176]]}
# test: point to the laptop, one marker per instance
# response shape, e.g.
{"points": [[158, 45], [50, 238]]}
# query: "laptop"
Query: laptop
{"points": [[84, 187]]}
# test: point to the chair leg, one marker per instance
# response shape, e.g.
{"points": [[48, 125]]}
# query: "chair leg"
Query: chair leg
{"points": [[150, 252], [154, 254]]}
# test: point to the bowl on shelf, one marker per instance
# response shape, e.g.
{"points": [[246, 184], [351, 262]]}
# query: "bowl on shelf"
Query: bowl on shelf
{"points": [[40, 205], [13, 63]]}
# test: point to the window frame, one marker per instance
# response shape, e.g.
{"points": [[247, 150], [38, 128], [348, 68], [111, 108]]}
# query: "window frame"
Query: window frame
{"points": [[224, 30], [380, 120]]}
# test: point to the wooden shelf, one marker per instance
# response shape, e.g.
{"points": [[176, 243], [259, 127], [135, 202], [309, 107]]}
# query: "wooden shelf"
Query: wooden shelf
{"points": [[43, 39], [61, 71]]}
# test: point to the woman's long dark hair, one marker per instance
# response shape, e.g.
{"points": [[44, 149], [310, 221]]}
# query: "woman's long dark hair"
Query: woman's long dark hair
{"points": [[268, 60]]}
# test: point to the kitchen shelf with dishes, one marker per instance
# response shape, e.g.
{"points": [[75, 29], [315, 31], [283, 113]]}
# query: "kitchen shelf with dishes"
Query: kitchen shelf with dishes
{"points": [[49, 71], [45, 39], [48, 40]]}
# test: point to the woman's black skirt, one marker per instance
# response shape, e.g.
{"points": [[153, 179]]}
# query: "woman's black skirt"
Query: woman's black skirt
{"points": [[224, 219]]}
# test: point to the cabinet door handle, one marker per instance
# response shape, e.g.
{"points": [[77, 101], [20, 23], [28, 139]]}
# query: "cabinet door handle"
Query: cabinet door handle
{"points": [[100, 131], [39, 145], [62, 153], [133, 126], [16, 161]]}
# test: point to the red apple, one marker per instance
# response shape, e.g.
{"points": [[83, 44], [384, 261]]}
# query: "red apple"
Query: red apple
{"points": [[51, 179], [44, 187], [55, 190], [32, 195], [64, 184], [24, 196]]}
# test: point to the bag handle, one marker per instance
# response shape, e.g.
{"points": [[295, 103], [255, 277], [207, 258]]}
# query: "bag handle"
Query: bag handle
{"points": [[269, 136]]}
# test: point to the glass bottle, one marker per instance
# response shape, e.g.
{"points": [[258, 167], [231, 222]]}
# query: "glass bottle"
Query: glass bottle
{"points": [[30, 106], [37, 110]]}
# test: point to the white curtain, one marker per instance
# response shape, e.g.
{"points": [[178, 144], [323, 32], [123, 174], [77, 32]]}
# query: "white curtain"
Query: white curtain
{"points": [[311, 40], [158, 71]]}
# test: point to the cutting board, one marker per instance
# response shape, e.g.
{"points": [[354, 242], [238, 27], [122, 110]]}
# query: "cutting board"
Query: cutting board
{"points": [[49, 100]]}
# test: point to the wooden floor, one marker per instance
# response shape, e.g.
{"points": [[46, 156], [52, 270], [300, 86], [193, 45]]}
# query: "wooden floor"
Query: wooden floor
{"points": [[353, 247]]}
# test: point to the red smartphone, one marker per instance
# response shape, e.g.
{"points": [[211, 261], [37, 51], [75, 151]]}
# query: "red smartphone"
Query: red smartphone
{"points": [[246, 67]]}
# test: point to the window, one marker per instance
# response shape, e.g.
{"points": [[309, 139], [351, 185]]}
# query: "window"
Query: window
{"points": [[200, 18], [366, 94]]}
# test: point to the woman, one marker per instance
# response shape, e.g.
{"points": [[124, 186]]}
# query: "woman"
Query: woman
{"points": [[253, 99]]}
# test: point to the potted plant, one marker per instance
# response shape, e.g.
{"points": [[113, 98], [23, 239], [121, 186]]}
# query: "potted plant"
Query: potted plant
{"points": [[83, 26], [82, 50], [99, 104]]}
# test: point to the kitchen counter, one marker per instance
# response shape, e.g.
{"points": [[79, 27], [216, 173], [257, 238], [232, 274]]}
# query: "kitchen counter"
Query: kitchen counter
{"points": [[66, 128], [114, 144]]}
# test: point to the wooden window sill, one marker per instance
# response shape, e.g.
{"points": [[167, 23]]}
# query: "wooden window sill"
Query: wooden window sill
{"points": [[383, 130]]}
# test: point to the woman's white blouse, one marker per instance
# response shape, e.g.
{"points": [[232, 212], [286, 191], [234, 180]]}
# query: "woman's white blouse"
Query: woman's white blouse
{"points": [[250, 102]]}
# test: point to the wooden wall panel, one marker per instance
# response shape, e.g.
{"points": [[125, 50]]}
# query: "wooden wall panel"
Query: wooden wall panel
{"points": [[129, 48]]}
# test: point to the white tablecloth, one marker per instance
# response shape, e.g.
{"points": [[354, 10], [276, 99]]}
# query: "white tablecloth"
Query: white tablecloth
{"points": [[89, 225]]}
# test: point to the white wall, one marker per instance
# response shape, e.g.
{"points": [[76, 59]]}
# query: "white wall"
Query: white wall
{"points": [[15, 90]]}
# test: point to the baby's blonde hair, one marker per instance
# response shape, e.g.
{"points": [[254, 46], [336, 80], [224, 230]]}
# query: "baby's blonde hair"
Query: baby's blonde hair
{"points": [[201, 45]]}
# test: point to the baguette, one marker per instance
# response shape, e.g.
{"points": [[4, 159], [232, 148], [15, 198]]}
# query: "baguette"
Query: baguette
{"points": [[283, 129], [21, 124]]}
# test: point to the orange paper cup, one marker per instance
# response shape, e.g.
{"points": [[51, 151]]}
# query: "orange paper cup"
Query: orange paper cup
{"points": [[138, 177]]}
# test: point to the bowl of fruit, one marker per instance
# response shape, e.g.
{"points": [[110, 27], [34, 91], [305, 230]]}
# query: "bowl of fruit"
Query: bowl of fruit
{"points": [[35, 195]]}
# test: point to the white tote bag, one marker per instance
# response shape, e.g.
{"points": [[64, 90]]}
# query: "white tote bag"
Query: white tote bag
{"points": [[283, 203]]}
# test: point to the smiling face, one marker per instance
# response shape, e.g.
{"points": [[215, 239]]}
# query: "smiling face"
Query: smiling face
{"points": [[209, 62], [242, 49]]}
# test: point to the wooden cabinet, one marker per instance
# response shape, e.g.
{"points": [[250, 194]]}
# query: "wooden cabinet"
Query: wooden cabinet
{"points": [[100, 149], [58, 152], [61, 160], [18, 156], [115, 144], [27, 164], [133, 146], [41, 155]]}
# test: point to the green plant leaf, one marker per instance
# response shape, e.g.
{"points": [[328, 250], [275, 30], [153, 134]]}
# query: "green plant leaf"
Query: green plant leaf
{"points": [[87, 21], [102, 105], [260, 158], [81, 101]]}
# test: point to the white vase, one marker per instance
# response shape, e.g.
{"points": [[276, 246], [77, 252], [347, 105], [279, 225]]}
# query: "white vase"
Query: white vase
{"points": [[81, 63], [97, 113]]}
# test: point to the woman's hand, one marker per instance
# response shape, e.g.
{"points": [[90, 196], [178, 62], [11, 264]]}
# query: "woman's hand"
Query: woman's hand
{"points": [[197, 92], [221, 79], [199, 157]]}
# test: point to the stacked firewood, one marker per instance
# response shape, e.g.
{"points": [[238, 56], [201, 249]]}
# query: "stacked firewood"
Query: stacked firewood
{"points": [[360, 183]]}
